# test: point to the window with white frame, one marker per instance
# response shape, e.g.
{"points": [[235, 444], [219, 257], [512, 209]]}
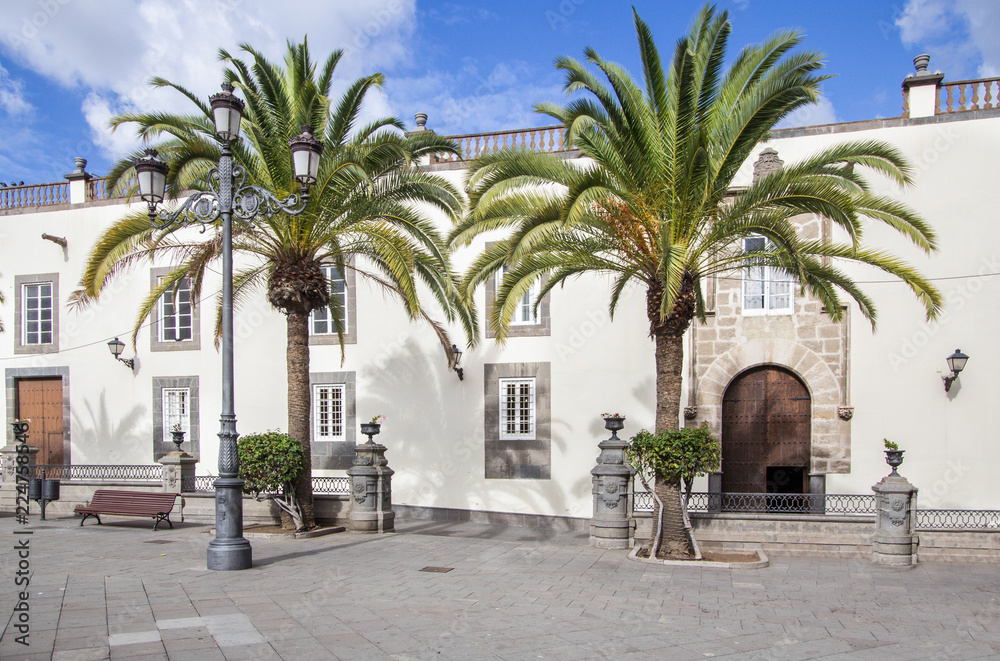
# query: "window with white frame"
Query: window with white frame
{"points": [[36, 312], [766, 289], [176, 313], [525, 311], [517, 409], [321, 321], [328, 412], [176, 409]]}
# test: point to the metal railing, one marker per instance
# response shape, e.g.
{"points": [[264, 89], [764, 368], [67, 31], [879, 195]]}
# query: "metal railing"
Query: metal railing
{"points": [[830, 503], [842, 504], [340, 485], [111, 472], [206, 484], [958, 519]]}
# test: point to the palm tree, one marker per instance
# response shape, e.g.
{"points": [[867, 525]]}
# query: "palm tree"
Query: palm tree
{"points": [[649, 204], [368, 211]]}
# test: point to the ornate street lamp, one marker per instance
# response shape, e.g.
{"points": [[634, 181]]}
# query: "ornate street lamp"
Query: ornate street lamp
{"points": [[228, 196]]}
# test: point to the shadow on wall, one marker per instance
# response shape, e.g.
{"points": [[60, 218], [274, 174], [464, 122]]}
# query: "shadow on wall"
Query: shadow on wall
{"points": [[98, 439], [424, 434]]}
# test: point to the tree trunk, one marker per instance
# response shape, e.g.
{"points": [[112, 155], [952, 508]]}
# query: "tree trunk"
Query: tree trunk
{"points": [[674, 541], [668, 335], [299, 396]]}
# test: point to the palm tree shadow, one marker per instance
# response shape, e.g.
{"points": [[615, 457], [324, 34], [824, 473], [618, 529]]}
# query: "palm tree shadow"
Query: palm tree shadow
{"points": [[97, 435]]}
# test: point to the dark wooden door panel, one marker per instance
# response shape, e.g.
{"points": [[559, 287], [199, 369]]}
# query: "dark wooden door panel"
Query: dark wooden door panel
{"points": [[41, 401], [765, 423]]}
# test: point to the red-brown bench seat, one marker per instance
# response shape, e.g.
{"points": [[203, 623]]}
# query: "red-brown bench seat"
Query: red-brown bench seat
{"points": [[154, 504]]}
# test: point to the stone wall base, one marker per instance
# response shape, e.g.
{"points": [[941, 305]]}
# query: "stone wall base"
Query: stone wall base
{"points": [[826, 537]]}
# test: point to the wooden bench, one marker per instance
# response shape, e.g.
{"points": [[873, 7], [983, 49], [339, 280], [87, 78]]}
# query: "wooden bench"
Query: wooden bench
{"points": [[154, 504]]}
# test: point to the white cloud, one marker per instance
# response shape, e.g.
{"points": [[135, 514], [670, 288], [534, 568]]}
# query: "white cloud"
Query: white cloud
{"points": [[960, 35], [815, 114], [110, 49], [468, 100], [923, 18], [12, 95]]}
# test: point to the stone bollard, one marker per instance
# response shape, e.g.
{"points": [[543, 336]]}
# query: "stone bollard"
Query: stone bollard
{"points": [[8, 475], [895, 542], [371, 487], [611, 527]]}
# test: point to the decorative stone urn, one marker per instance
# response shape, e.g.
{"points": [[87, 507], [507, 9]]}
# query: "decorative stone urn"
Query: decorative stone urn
{"points": [[894, 458], [370, 429], [610, 526], [177, 437]]}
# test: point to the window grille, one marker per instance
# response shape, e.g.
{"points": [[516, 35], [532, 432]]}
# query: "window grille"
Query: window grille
{"points": [[517, 409], [328, 412], [176, 409]]}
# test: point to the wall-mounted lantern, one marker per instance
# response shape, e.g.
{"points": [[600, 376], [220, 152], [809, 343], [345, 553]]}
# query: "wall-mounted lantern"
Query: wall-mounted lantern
{"points": [[956, 363]]}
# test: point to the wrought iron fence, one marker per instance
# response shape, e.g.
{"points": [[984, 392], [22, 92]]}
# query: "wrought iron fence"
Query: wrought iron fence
{"points": [[849, 504], [331, 485], [862, 504], [958, 520], [206, 483], [111, 472]]}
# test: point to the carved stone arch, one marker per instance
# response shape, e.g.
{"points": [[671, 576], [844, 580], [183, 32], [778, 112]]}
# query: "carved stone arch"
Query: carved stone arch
{"points": [[831, 436]]}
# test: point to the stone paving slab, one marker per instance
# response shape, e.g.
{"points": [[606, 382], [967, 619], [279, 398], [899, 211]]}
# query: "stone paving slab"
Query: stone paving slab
{"points": [[106, 592]]}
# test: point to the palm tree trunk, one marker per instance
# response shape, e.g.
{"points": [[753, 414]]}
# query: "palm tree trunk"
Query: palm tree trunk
{"points": [[672, 529], [297, 363]]}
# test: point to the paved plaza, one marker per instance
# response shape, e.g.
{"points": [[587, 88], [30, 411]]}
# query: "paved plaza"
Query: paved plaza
{"points": [[121, 591]]}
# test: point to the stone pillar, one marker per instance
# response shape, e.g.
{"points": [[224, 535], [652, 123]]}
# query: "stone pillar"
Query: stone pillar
{"points": [[178, 474], [895, 542], [611, 527], [921, 89], [78, 180], [8, 474], [371, 489]]}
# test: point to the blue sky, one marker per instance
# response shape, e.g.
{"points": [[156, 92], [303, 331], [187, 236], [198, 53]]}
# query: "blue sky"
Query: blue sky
{"points": [[67, 66]]}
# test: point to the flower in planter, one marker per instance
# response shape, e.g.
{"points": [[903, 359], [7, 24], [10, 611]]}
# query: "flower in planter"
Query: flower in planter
{"points": [[377, 420], [612, 415], [176, 427], [889, 445]]}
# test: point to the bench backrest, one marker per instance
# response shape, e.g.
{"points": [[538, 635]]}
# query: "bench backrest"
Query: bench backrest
{"points": [[144, 500]]}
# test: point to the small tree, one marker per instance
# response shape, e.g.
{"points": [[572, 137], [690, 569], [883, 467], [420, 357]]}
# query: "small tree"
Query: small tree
{"points": [[270, 467], [669, 456]]}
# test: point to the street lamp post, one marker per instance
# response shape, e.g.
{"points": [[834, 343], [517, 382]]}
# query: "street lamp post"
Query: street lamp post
{"points": [[228, 196]]}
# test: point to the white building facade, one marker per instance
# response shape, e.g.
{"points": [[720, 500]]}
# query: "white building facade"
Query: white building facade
{"points": [[518, 434]]}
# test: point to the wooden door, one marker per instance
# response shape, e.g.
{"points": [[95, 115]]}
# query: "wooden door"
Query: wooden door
{"points": [[41, 401], [765, 431]]}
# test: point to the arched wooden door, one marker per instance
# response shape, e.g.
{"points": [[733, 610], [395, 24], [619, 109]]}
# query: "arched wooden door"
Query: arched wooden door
{"points": [[765, 433]]}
